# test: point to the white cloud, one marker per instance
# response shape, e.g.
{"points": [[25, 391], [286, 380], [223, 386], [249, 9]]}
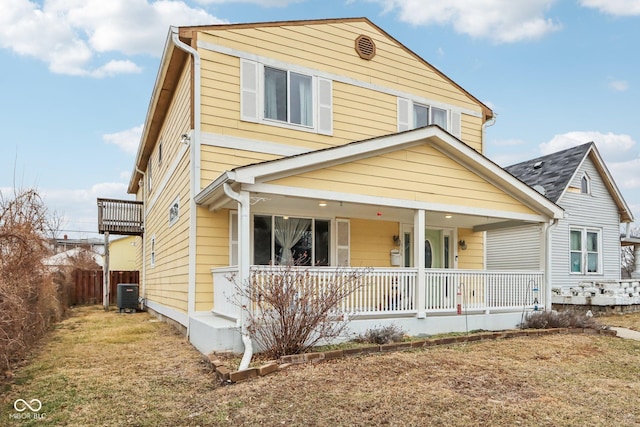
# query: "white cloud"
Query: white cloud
{"points": [[502, 21], [612, 147], [127, 140], [67, 34], [619, 85], [264, 3], [78, 207], [614, 7]]}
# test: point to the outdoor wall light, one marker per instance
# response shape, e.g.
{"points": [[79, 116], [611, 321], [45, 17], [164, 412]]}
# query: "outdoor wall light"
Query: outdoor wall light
{"points": [[463, 245], [185, 138], [396, 240]]}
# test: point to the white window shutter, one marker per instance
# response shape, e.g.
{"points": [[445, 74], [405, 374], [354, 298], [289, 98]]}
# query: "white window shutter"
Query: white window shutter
{"points": [[456, 125], [249, 90], [342, 239], [325, 107], [404, 114]]}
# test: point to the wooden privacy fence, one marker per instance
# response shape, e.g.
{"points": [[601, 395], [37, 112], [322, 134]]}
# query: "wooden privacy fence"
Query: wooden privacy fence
{"points": [[87, 285]]}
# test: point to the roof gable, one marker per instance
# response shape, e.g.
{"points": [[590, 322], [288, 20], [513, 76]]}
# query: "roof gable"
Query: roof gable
{"points": [[439, 139], [553, 174]]}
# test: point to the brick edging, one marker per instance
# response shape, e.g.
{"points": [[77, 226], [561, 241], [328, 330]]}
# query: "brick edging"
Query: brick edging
{"points": [[225, 375]]}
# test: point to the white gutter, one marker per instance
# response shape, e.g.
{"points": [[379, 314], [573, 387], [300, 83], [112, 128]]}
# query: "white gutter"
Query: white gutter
{"points": [[144, 242], [548, 267], [194, 171], [243, 267]]}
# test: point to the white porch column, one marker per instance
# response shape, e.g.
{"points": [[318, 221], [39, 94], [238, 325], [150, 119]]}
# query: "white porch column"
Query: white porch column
{"points": [[636, 264], [418, 251], [244, 243]]}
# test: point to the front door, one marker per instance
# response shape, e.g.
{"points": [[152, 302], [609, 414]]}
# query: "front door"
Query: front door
{"points": [[438, 249], [438, 253]]}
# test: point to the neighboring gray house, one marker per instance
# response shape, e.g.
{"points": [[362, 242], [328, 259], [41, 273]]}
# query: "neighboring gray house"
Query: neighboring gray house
{"points": [[585, 245]]}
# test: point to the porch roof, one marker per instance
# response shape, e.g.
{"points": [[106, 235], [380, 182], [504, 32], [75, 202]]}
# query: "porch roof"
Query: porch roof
{"points": [[251, 177]]}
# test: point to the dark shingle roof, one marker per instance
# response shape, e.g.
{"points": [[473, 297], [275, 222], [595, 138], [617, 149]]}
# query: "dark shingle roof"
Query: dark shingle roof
{"points": [[552, 172]]}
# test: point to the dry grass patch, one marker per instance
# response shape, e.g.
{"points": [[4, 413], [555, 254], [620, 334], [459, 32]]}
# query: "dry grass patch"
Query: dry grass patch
{"points": [[630, 321], [114, 369]]}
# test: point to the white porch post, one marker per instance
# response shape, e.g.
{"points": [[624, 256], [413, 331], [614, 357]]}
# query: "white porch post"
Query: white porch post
{"points": [[636, 264], [244, 244], [418, 251]]}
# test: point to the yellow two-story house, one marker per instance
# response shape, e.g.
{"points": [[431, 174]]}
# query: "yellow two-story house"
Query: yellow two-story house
{"points": [[323, 143]]}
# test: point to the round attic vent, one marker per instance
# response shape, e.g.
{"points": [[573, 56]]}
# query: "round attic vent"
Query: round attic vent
{"points": [[365, 47]]}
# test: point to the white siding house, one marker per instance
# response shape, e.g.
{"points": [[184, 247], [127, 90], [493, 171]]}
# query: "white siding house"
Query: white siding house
{"points": [[585, 244]]}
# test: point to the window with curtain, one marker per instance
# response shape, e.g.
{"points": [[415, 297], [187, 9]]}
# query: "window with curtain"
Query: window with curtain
{"points": [[282, 240], [288, 97], [585, 251]]}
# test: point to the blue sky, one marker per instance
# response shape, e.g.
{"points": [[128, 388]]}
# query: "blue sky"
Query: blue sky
{"points": [[76, 77]]}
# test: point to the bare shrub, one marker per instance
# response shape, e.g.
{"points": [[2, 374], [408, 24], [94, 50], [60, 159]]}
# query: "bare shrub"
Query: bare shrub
{"points": [[289, 310], [562, 319], [383, 335], [28, 300]]}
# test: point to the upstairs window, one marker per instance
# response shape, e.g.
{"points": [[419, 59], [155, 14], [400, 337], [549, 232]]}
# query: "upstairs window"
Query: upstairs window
{"points": [[412, 115], [288, 97], [281, 97], [585, 184]]}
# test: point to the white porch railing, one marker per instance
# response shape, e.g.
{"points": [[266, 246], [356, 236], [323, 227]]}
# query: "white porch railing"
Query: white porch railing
{"points": [[394, 291]]}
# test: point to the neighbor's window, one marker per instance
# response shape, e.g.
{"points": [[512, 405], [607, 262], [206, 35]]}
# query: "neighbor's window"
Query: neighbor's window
{"points": [[283, 240], [288, 97], [585, 184], [585, 251]]}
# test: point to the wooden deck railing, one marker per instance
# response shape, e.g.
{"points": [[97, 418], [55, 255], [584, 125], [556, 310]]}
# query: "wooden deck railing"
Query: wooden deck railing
{"points": [[123, 217]]}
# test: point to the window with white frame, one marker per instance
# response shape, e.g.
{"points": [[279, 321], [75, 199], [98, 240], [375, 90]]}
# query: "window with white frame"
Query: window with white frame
{"points": [[153, 251], [149, 175], [585, 248], [276, 95], [585, 184], [174, 211], [413, 115], [283, 240]]}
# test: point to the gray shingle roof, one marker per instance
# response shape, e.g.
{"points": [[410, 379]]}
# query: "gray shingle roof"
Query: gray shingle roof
{"points": [[552, 171]]}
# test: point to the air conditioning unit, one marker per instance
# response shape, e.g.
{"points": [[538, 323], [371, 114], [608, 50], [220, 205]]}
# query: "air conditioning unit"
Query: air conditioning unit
{"points": [[127, 296]]}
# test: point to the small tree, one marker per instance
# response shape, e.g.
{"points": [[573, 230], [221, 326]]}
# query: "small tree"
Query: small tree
{"points": [[290, 310], [28, 302]]}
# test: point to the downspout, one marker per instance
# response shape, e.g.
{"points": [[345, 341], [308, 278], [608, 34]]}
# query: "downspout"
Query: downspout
{"points": [[144, 243], [243, 216], [194, 170], [548, 267]]}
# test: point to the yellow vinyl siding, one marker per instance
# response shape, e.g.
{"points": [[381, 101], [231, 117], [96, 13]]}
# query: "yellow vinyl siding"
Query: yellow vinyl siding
{"points": [[216, 160], [358, 112], [122, 254], [167, 280], [330, 47], [371, 242], [418, 174], [471, 258], [212, 248]]}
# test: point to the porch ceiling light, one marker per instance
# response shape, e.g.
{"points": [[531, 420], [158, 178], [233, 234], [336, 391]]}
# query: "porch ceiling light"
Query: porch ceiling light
{"points": [[322, 203], [448, 216]]}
